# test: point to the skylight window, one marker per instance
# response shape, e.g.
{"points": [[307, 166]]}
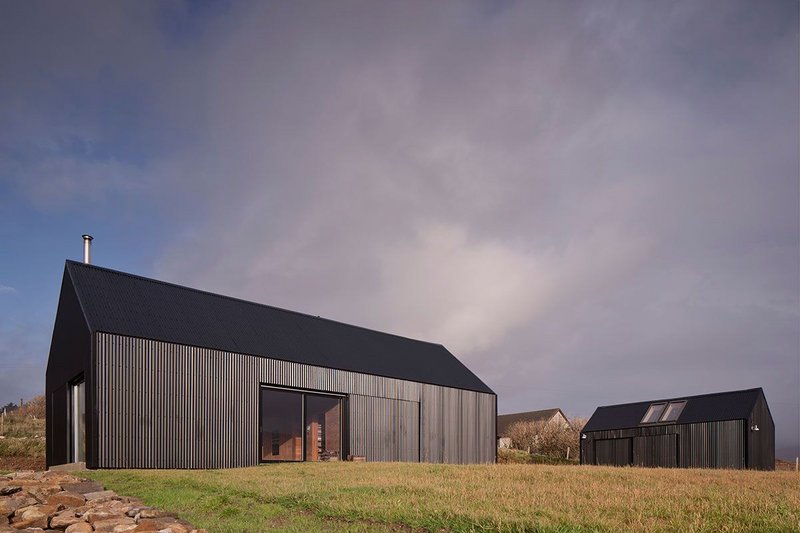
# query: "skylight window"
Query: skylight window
{"points": [[653, 413], [673, 411]]}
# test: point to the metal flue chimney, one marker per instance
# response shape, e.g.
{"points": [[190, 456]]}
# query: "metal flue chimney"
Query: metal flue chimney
{"points": [[87, 249]]}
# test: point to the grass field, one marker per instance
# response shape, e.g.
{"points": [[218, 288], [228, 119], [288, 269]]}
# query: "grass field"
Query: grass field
{"points": [[402, 497]]}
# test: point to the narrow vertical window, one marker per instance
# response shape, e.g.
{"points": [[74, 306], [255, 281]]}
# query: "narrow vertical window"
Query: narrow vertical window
{"points": [[78, 421]]}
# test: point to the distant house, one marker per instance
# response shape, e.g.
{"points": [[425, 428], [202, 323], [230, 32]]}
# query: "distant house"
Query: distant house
{"points": [[720, 430], [544, 416]]}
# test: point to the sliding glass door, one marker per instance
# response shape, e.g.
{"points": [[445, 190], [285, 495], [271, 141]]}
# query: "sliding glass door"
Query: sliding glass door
{"points": [[297, 426], [323, 423], [281, 425]]}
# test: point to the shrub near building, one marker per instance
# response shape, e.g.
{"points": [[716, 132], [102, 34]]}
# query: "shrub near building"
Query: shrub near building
{"points": [[548, 439]]}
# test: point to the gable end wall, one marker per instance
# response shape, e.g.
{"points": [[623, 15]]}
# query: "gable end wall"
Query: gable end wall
{"points": [[761, 443], [70, 356]]}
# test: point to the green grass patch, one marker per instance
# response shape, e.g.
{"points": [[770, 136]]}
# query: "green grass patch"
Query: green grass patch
{"points": [[513, 456], [504, 497]]}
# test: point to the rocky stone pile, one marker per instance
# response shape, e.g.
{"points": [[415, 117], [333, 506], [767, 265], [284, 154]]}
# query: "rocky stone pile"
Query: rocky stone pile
{"points": [[57, 501]]}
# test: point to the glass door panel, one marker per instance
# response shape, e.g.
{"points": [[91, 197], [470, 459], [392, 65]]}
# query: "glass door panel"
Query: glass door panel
{"points": [[323, 428], [78, 421], [281, 425]]}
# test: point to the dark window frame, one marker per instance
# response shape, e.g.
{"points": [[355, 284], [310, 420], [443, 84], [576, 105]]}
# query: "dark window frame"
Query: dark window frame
{"points": [[261, 426], [661, 413], [343, 403], [339, 406]]}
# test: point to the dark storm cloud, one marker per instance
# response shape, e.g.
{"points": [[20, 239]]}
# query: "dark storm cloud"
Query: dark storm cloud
{"points": [[588, 202]]}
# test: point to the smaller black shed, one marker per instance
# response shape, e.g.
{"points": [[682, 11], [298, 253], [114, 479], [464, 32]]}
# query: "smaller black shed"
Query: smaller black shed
{"points": [[721, 430]]}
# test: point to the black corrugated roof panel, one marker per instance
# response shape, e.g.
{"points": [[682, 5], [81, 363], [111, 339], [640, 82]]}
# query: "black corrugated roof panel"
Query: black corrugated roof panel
{"points": [[125, 304], [733, 405]]}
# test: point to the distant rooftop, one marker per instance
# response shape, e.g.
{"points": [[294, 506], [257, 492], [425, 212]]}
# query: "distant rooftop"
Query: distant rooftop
{"points": [[506, 421], [733, 405]]}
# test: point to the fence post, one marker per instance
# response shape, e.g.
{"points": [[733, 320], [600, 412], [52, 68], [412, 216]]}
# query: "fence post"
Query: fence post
{"points": [[567, 453]]}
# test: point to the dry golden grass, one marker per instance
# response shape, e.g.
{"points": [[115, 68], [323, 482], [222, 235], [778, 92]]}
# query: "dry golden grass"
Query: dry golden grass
{"points": [[22, 445], [369, 496]]}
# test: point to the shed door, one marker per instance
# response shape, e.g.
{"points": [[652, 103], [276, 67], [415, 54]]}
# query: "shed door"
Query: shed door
{"points": [[614, 452], [656, 450]]}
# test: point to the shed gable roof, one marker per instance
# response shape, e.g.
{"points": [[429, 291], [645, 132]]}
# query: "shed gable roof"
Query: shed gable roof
{"points": [[733, 405], [125, 304]]}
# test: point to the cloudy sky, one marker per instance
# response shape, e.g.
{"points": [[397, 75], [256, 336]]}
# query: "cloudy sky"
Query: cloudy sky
{"points": [[588, 203]]}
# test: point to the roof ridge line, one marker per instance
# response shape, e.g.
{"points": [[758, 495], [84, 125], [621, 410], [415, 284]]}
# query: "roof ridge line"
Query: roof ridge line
{"points": [[250, 302], [677, 398]]}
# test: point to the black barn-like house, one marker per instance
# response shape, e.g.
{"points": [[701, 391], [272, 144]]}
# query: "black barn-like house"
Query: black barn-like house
{"points": [[147, 374], [721, 430]]}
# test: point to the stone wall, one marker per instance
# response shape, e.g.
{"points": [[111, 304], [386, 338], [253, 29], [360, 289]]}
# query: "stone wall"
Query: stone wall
{"points": [[57, 501]]}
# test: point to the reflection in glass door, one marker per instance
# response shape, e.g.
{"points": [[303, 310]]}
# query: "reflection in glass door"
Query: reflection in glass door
{"points": [[281, 425], [297, 426], [78, 421], [323, 428]]}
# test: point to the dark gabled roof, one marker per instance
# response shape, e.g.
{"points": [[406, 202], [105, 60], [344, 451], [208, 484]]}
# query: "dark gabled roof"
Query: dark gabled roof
{"points": [[544, 415], [125, 304], [733, 405]]}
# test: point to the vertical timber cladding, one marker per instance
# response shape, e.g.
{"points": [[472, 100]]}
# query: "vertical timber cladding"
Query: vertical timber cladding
{"points": [[655, 450], [457, 426], [712, 444], [615, 452], [698, 445], [164, 405], [383, 429]]}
